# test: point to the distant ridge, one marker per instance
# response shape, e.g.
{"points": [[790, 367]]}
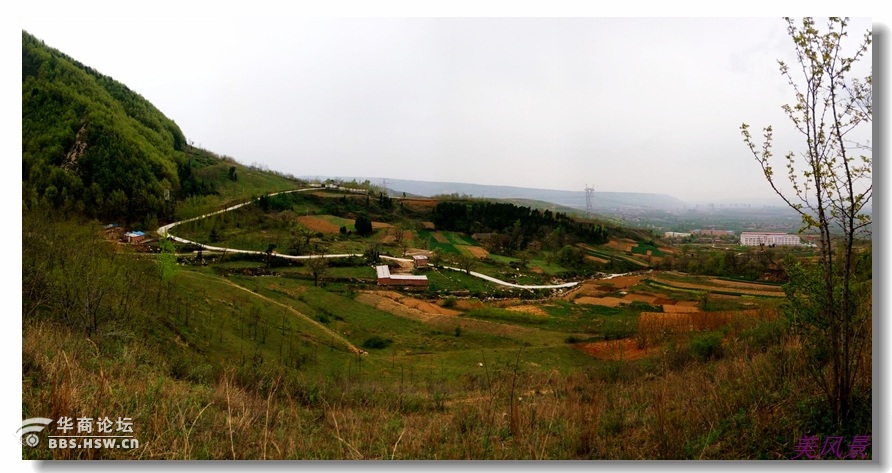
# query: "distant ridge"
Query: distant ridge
{"points": [[574, 199]]}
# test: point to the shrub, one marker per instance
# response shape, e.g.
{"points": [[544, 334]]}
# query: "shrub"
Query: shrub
{"points": [[707, 346], [363, 225], [376, 342]]}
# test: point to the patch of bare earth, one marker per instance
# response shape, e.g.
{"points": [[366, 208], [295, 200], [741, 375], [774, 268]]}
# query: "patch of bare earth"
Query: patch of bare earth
{"points": [[318, 224], [589, 288], [624, 282], [678, 309], [528, 309], [595, 259], [474, 251], [440, 237], [706, 287], [414, 303], [640, 298], [602, 301], [468, 304], [385, 301], [745, 285], [623, 244]]}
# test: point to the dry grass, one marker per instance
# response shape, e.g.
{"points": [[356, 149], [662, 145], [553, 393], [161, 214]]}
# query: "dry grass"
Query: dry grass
{"points": [[475, 251], [622, 349], [746, 285], [498, 413], [709, 287], [622, 244], [413, 303], [440, 237], [596, 259], [647, 299], [679, 309], [528, 309], [602, 301]]}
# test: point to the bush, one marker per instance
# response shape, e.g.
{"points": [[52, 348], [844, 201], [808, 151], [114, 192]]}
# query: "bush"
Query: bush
{"points": [[449, 302], [707, 346], [363, 225], [376, 342]]}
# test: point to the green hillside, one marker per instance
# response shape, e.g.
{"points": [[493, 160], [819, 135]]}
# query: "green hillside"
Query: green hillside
{"points": [[90, 144]]}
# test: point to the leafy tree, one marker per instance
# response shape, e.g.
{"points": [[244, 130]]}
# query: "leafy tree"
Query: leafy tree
{"points": [[363, 225], [570, 255], [435, 258], [465, 262], [167, 260], [373, 252], [524, 257], [831, 182], [318, 267]]}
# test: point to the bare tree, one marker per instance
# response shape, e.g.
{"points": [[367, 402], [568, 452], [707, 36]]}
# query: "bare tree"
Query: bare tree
{"points": [[318, 267], [465, 262], [831, 181]]}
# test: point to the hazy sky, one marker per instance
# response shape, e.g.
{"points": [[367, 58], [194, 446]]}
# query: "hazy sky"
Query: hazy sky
{"points": [[637, 105]]}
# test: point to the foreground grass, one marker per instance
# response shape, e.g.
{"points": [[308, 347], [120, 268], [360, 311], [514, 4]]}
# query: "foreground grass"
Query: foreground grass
{"points": [[748, 405]]}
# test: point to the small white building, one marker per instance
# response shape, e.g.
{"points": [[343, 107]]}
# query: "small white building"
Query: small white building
{"points": [[134, 237], [387, 279], [769, 239], [676, 235]]}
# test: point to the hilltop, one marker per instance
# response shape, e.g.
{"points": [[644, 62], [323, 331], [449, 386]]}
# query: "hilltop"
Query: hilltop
{"points": [[572, 199], [93, 147]]}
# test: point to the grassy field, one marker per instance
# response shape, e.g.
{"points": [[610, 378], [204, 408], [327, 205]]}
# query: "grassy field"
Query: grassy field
{"points": [[232, 358], [267, 366]]}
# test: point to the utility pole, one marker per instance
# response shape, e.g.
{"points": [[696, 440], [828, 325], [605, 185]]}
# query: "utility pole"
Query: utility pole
{"points": [[589, 197]]}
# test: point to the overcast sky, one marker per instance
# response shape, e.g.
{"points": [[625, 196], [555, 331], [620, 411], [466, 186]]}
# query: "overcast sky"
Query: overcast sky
{"points": [[635, 105]]}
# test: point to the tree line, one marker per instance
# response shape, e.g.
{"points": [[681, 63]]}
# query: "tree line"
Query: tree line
{"points": [[515, 228]]}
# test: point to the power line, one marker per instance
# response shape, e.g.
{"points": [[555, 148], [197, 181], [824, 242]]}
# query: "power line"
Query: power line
{"points": [[589, 197]]}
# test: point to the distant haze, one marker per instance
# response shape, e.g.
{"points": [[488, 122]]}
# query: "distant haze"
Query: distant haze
{"points": [[622, 105]]}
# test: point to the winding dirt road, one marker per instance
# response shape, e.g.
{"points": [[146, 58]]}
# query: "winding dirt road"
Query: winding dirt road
{"points": [[165, 232]]}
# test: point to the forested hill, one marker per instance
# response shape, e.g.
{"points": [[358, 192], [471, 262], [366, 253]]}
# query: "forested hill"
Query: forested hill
{"points": [[92, 146]]}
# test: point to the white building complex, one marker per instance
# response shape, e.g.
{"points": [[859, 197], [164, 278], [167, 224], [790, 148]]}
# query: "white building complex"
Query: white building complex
{"points": [[769, 239], [387, 279]]}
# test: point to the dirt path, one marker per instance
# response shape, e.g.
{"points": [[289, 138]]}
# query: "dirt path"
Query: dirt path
{"points": [[165, 232]]}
